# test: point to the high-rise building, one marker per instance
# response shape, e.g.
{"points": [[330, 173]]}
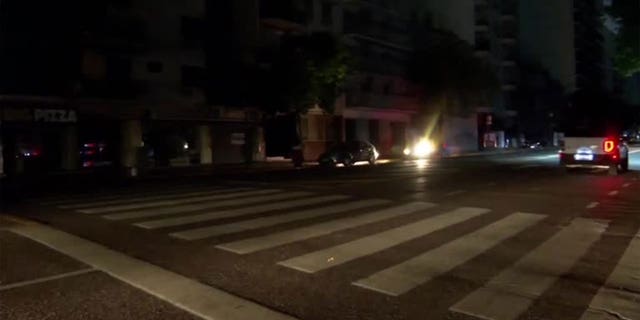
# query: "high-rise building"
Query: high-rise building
{"points": [[379, 101]]}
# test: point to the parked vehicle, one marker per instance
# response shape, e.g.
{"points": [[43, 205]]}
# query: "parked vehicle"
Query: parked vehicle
{"points": [[349, 153]]}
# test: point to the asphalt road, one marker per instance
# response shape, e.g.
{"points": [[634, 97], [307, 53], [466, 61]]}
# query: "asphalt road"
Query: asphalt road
{"points": [[509, 236]]}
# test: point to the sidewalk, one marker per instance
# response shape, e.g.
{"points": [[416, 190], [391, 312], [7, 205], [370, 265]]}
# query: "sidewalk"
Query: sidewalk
{"points": [[47, 273]]}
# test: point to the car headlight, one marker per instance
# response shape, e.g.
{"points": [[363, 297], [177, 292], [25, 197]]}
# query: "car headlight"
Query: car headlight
{"points": [[406, 151], [423, 148]]}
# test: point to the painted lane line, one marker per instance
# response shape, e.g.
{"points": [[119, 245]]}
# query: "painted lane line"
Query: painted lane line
{"points": [[613, 193], [277, 239], [453, 193], [183, 220], [626, 185], [175, 202], [507, 295], [187, 294], [407, 275], [190, 208], [217, 230], [621, 292], [46, 279], [593, 205], [82, 198], [334, 256], [121, 200], [634, 151]]}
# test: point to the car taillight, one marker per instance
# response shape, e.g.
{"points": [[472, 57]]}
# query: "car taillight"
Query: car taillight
{"points": [[609, 145]]}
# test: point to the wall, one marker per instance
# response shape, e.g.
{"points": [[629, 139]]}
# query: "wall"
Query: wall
{"points": [[456, 16]]}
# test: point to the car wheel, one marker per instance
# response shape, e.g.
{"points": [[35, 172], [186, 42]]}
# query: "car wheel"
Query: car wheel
{"points": [[372, 160], [348, 161]]}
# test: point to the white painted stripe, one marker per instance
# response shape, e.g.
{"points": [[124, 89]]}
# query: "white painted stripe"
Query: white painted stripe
{"points": [[527, 166], [620, 295], [182, 292], [626, 185], [280, 238], [75, 198], [634, 151], [182, 220], [175, 196], [453, 193], [46, 279], [212, 231], [407, 275], [334, 256], [185, 209], [592, 205], [614, 193], [511, 292], [176, 202]]}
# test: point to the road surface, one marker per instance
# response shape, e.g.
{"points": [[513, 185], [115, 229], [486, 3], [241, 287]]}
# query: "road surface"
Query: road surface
{"points": [[509, 236]]}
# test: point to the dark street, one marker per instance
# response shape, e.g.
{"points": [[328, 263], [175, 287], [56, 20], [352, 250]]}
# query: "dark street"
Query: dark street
{"points": [[502, 236]]}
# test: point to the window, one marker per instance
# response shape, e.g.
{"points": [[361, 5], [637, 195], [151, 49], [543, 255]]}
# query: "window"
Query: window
{"points": [[387, 88], [327, 14], [192, 28], [193, 76], [154, 67], [367, 84]]}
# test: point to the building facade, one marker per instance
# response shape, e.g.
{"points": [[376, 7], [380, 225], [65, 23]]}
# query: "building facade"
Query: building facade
{"points": [[128, 89], [379, 101]]}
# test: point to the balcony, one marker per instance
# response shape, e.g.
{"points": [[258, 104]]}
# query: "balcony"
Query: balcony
{"points": [[111, 89], [381, 101], [284, 14]]}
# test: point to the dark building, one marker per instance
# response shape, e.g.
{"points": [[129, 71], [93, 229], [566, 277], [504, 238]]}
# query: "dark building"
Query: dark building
{"points": [[117, 83]]}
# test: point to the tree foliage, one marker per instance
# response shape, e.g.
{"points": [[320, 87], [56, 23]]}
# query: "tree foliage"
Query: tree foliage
{"points": [[310, 70], [453, 78], [627, 13]]}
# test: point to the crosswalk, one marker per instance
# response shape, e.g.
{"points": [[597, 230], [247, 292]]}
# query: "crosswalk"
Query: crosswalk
{"points": [[262, 219]]}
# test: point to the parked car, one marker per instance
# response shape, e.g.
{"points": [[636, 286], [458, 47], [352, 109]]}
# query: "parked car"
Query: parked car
{"points": [[349, 153]]}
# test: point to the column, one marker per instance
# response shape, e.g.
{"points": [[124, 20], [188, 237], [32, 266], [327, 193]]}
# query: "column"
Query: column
{"points": [[131, 142], [69, 148], [203, 144], [362, 129]]}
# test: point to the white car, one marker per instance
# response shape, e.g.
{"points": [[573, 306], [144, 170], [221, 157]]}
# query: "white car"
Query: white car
{"points": [[609, 151]]}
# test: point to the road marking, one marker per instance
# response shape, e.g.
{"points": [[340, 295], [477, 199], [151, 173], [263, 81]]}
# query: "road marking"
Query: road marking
{"points": [[453, 193], [175, 196], [276, 239], [73, 199], [634, 151], [626, 185], [185, 209], [182, 220], [217, 230], [511, 292], [527, 166], [614, 193], [176, 202], [407, 275], [334, 256], [621, 293], [187, 294], [46, 279], [592, 205]]}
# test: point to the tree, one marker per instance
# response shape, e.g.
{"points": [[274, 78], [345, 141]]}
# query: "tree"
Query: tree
{"points": [[311, 69], [626, 13], [454, 80]]}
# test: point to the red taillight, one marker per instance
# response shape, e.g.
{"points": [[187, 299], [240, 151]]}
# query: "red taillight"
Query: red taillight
{"points": [[609, 145]]}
